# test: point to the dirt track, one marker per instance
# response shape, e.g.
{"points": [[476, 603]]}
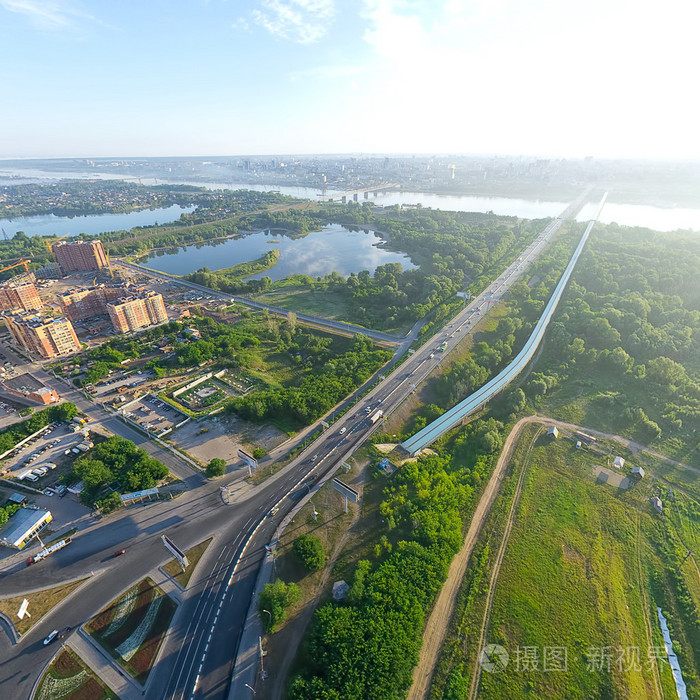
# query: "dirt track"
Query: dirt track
{"points": [[440, 617]]}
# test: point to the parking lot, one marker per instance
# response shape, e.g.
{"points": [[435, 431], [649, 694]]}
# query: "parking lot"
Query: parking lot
{"points": [[46, 453], [153, 415]]}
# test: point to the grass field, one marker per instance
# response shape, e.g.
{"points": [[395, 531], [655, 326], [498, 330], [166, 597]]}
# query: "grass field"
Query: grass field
{"points": [[584, 569], [297, 296], [40, 602], [132, 627], [68, 678], [194, 554]]}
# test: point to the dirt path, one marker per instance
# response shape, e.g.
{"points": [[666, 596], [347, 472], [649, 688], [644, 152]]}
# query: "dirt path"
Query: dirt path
{"points": [[439, 620], [631, 444], [476, 675]]}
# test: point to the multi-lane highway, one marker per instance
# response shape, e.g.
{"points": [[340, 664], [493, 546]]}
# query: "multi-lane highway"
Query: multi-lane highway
{"points": [[199, 650], [472, 403]]}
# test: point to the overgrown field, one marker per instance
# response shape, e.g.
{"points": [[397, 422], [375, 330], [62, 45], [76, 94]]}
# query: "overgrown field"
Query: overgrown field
{"points": [[575, 602]]}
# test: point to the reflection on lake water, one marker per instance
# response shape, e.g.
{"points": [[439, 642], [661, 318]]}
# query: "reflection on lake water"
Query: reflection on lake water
{"points": [[48, 224], [335, 248]]}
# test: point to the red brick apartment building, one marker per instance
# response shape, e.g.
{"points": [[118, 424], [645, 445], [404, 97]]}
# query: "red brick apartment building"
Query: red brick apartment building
{"points": [[20, 293], [81, 255], [80, 304]]}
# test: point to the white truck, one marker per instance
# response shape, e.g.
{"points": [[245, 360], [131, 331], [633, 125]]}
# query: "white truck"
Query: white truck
{"points": [[376, 416], [48, 551]]}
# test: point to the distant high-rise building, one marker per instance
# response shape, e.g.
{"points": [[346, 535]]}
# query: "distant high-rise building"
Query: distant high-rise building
{"points": [[136, 312], [81, 255], [48, 337], [20, 293]]}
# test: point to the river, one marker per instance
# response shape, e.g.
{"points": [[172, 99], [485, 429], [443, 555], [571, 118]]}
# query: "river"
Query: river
{"points": [[657, 218]]}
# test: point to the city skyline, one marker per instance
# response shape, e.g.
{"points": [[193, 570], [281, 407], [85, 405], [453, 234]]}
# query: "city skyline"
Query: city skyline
{"points": [[333, 76]]}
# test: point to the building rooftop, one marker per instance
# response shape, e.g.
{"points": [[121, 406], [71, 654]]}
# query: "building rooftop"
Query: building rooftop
{"points": [[31, 319], [25, 382], [20, 523]]}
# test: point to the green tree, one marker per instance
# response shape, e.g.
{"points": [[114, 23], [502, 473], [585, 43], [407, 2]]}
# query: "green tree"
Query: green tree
{"points": [[275, 598], [110, 503], [309, 549], [217, 467]]}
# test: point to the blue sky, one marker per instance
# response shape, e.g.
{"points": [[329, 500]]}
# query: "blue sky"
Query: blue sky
{"points": [[608, 78]]}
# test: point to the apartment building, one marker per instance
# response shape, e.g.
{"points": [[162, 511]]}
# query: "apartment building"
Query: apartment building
{"points": [[48, 337], [136, 312], [20, 293], [81, 255], [80, 304]]}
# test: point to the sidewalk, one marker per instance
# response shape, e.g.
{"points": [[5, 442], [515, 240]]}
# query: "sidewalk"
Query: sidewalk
{"points": [[245, 671], [125, 687]]}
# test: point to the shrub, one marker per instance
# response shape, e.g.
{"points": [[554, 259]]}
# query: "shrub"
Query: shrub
{"points": [[310, 551], [217, 467], [274, 600]]}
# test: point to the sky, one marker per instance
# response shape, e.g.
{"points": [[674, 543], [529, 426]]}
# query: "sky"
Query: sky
{"points": [[602, 78]]}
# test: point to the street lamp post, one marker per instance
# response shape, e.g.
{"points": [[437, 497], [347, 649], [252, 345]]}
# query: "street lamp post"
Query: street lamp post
{"points": [[251, 688], [270, 614]]}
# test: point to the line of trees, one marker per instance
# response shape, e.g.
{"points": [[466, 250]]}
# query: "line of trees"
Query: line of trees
{"points": [[365, 647]]}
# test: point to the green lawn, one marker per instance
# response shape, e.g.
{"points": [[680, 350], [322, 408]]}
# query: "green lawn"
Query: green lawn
{"points": [[299, 298]]}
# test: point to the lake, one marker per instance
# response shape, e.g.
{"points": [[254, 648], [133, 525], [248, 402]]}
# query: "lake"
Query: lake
{"points": [[49, 224], [316, 254]]}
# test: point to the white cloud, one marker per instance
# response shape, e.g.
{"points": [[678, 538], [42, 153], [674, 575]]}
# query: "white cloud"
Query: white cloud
{"points": [[48, 14], [302, 21]]}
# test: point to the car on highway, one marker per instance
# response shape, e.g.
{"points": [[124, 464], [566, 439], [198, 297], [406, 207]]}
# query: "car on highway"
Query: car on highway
{"points": [[119, 552], [314, 458], [52, 635], [342, 430], [273, 512]]}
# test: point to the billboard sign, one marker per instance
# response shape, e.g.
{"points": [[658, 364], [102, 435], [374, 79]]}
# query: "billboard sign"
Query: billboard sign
{"points": [[248, 459], [175, 551], [23, 610], [346, 490], [136, 495]]}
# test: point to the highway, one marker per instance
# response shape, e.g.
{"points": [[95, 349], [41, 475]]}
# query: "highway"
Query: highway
{"points": [[472, 403], [201, 645]]}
